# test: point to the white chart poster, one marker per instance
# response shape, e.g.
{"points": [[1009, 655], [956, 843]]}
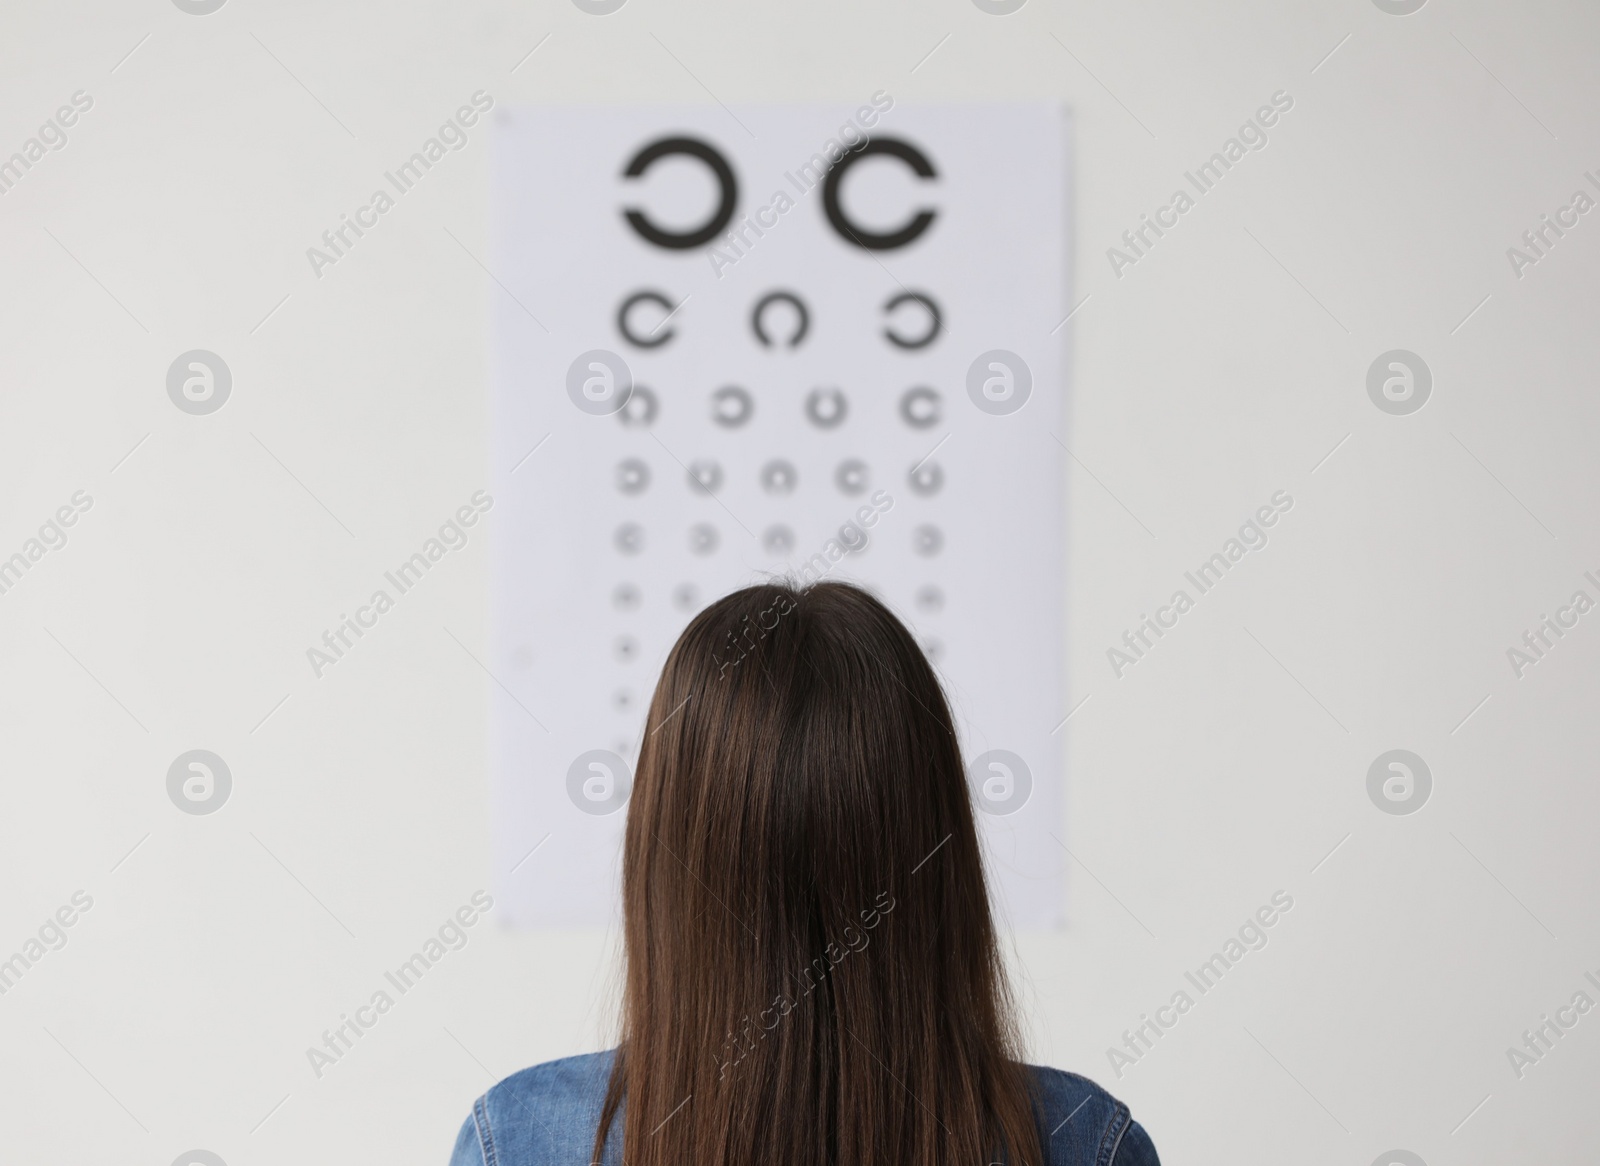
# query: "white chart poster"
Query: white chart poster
{"points": [[834, 337]]}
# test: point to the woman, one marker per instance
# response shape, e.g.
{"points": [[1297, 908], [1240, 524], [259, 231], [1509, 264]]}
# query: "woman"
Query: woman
{"points": [[812, 976]]}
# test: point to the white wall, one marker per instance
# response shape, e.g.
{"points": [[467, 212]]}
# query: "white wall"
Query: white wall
{"points": [[1222, 367]]}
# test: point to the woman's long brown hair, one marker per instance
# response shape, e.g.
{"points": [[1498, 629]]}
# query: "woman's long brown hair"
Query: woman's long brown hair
{"points": [[811, 970]]}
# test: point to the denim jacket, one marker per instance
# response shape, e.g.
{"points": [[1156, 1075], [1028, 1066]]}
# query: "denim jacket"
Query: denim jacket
{"points": [[547, 1116]]}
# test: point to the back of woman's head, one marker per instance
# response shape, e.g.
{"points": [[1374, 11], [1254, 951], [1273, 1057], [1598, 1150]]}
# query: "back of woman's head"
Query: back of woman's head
{"points": [[812, 977]]}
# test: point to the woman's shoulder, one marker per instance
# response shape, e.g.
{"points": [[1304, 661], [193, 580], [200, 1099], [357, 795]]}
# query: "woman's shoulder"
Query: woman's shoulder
{"points": [[1080, 1123], [547, 1113]]}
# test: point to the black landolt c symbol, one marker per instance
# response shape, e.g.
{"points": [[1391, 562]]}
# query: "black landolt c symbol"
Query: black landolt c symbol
{"points": [[860, 236], [715, 162]]}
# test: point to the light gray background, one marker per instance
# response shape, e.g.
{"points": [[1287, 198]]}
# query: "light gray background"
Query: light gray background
{"points": [[1227, 364]]}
